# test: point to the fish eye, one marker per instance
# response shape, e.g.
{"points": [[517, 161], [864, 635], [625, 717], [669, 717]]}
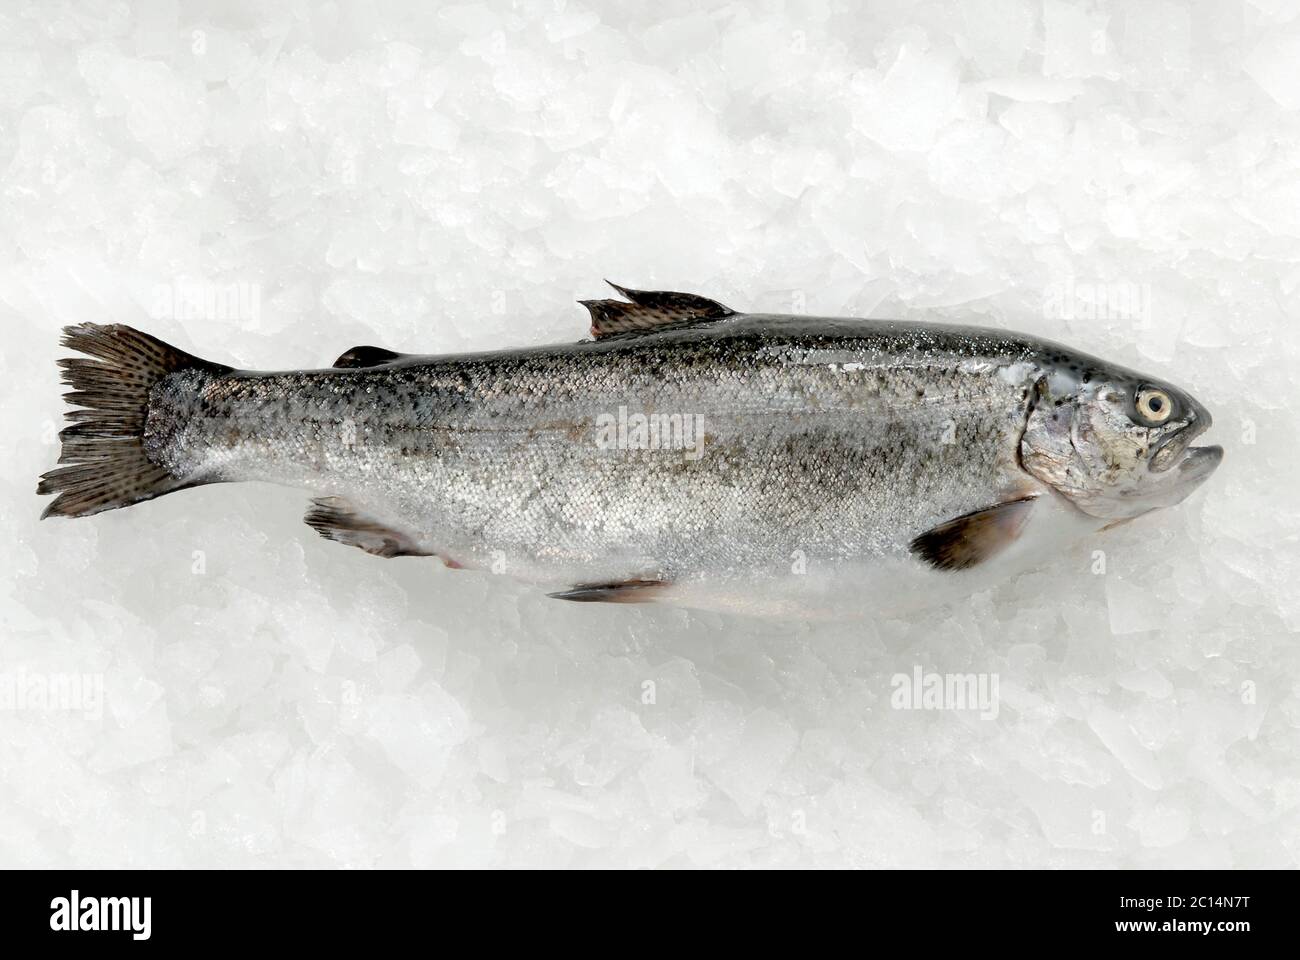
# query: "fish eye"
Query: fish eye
{"points": [[1154, 406]]}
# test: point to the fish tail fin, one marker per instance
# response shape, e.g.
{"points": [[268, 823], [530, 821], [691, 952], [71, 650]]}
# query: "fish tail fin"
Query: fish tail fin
{"points": [[107, 463]]}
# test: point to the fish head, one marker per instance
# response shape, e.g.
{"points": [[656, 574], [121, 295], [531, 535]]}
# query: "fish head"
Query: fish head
{"points": [[1115, 443]]}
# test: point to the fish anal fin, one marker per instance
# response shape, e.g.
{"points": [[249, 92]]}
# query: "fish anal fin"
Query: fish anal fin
{"points": [[969, 540], [645, 311], [334, 518], [622, 591], [368, 357]]}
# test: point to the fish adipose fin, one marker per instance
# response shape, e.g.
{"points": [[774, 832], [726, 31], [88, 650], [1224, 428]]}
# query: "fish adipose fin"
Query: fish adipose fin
{"points": [[368, 357], [108, 465], [969, 540], [650, 310], [624, 591], [336, 519]]}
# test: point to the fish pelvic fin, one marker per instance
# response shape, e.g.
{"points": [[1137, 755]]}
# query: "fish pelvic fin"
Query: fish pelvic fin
{"points": [[623, 591], [650, 310], [969, 540], [107, 463], [335, 518]]}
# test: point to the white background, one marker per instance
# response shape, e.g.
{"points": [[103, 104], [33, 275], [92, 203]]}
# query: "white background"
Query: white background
{"points": [[268, 184]]}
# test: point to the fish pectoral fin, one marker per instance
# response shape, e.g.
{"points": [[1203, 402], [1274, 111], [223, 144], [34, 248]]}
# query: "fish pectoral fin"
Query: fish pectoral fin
{"points": [[336, 519], [969, 540], [650, 310], [622, 591], [369, 357]]}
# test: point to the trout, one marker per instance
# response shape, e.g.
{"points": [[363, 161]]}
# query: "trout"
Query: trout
{"points": [[685, 453]]}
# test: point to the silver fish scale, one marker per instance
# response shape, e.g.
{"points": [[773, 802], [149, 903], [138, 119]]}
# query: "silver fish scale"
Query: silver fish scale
{"points": [[840, 439]]}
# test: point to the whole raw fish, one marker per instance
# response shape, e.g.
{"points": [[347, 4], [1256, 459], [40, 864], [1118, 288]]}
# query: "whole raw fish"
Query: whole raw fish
{"points": [[685, 453]]}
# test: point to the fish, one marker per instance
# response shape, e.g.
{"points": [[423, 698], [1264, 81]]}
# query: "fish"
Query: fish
{"points": [[684, 453]]}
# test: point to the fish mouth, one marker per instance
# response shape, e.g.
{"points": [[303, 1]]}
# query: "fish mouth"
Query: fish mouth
{"points": [[1171, 450], [1185, 469], [1199, 463]]}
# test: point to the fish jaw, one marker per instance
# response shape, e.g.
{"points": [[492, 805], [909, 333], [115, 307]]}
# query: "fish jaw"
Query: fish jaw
{"points": [[1192, 469]]}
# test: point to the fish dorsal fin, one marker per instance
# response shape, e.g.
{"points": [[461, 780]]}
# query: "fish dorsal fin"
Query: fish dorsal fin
{"points": [[649, 310], [368, 357]]}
